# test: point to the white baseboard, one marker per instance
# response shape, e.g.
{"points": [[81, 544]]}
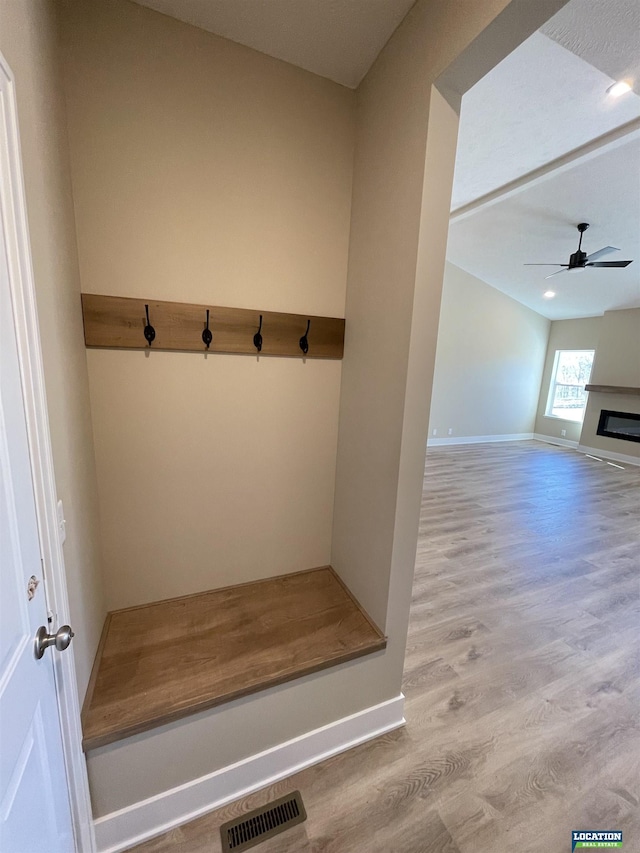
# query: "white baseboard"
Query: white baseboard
{"points": [[609, 454], [137, 823], [551, 439], [477, 439]]}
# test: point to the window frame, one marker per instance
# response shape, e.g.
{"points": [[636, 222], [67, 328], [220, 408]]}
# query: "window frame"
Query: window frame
{"points": [[553, 383]]}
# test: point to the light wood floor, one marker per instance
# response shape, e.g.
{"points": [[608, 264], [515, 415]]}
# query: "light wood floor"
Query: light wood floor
{"points": [[522, 674]]}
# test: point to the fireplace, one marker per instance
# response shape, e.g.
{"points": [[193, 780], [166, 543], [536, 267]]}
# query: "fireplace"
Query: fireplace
{"points": [[623, 425]]}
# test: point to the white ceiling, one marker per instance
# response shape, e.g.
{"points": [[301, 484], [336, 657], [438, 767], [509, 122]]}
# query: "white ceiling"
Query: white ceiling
{"points": [[514, 202], [605, 33], [538, 225], [338, 39], [540, 103]]}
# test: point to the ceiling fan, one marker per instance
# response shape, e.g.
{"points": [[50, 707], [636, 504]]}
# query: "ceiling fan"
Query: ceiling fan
{"points": [[579, 260]]}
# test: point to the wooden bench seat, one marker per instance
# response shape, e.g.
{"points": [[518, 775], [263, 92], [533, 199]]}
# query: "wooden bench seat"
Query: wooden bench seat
{"points": [[162, 661]]}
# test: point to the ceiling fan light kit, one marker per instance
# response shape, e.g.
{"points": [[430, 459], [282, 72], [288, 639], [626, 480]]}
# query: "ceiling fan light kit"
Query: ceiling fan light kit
{"points": [[580, 261]]}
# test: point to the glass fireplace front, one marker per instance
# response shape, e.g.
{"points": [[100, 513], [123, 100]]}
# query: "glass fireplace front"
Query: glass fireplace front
{"points": [[622, 425]]}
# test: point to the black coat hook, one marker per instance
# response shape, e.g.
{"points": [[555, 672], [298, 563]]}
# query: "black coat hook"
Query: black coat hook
{"points": [[304, 341], [257, 338], [149, 331], [207, 335]]}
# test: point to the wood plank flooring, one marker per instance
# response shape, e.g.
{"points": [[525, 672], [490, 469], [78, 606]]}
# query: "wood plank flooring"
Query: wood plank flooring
{"points": [[162, 661], [522, 674]]}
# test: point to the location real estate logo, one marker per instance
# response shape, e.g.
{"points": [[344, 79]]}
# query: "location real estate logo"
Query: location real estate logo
{"points": [[599, 840]]}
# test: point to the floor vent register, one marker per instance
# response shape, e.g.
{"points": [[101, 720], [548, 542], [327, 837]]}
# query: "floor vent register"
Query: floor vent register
{"points": [[258, 825]]}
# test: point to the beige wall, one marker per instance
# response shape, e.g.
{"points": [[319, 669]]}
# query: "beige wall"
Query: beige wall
{"points": [[402, 186], [399, 222], [489, 361], [394, 193], [582, 333], [206, 172], [28, 43], [128, 63], [617, 362]]}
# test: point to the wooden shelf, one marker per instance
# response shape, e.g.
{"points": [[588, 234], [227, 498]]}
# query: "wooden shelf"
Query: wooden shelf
{"points": [[160, 662], [115, 322], [614, 389]]}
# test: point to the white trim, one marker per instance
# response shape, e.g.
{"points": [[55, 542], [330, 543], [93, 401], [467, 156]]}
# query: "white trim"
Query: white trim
{"points": [[551, 439], [32, 373], [608, 454], [478, 439], [136, 823], [566, 420]]}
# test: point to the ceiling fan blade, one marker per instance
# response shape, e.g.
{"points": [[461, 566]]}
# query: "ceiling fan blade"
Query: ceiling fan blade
{"points": [[607, 250], [566, 269], [545, 265], [610, 264]]}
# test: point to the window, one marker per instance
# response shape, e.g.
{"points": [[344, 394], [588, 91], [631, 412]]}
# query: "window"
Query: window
{"points": [[571, 371]]}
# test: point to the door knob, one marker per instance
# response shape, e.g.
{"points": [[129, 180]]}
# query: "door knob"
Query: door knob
{"points": [[60, 639]]}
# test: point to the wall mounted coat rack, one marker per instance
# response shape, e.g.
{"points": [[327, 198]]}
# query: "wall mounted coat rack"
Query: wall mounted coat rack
{"points": [[124, 323]]}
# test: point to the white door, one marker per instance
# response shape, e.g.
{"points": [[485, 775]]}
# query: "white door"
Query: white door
{"points": [[35, 814]]}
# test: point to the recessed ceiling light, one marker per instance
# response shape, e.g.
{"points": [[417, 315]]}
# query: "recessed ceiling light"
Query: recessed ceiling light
{"points": [[549, 294], [619, 88]]}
